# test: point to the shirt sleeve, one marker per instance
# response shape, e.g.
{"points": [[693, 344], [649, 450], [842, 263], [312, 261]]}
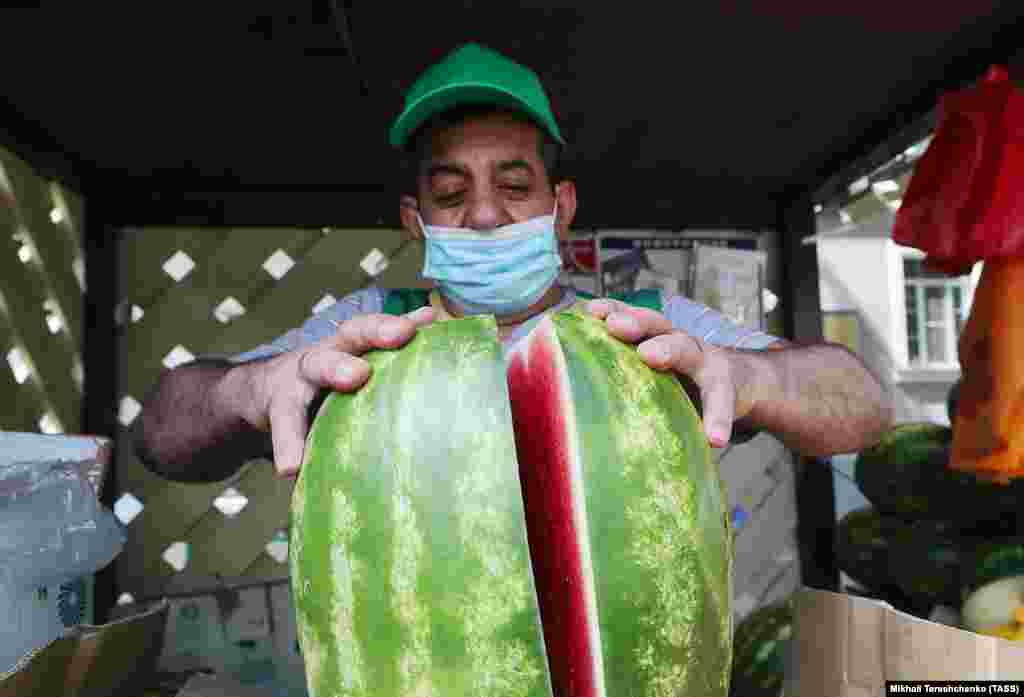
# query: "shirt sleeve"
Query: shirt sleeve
{"points": [[318, 326], [712, 327]]}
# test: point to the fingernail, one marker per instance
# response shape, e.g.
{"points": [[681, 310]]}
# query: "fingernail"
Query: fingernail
{"points": [[344, 372], [628, 321], [718, 438], [654, 352]]}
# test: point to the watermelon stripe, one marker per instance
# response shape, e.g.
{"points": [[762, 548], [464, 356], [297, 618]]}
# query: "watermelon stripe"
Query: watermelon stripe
{"points": [[556, 516]]}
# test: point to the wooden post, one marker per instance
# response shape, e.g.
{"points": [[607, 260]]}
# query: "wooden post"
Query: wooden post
{"points": [[99, 358], [801, 303]]}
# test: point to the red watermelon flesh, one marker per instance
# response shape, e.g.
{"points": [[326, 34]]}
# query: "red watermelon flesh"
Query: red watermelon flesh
{"points": [[555, 517]]}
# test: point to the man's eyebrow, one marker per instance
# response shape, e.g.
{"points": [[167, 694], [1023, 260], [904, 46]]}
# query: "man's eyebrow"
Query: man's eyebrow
{"points": [[509, 165], [440, 168]]}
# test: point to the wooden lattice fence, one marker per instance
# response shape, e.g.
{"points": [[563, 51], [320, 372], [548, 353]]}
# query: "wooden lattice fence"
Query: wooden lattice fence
{"points": [[191, 292], [42, 281]]}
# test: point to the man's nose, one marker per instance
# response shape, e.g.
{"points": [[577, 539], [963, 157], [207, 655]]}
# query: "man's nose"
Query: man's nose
{"points": [[485, 212]]}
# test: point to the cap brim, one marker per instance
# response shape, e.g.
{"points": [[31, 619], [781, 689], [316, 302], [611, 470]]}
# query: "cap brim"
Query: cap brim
{"points": [[449, 96]]}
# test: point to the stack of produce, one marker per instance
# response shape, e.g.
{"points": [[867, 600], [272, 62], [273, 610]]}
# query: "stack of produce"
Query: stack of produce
{"points": [[934, 535]]}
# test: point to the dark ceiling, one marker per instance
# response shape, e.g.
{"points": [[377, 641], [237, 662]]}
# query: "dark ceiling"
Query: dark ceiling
{"points": [[677, 113]]}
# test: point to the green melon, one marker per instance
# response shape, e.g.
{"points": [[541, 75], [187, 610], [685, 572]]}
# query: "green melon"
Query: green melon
{"points": [[995, 608], [863, 540], [550, 523], [759, 650], [906, 474], [899, 474], [990, 560], [925, 562]]}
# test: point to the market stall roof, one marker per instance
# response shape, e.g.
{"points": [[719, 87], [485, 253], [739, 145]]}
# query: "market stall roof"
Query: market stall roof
{"points": [[677, 112]]}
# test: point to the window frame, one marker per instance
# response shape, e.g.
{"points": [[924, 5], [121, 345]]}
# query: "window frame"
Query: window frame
{"points": [[919, 286]]}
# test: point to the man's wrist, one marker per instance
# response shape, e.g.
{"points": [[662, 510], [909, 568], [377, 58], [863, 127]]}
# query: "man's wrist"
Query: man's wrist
{"points": [[758, 384], [237, 394]]}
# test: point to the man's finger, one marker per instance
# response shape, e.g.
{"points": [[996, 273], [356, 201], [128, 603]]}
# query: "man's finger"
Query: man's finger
{"points": [[677, 351], [328, 367], [685, 355], [718, 400], [629, 323], [288, 434], [366, 332]]}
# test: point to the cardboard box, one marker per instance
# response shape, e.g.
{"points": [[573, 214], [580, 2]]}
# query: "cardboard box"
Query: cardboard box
{"points": [[849, 646], [112, 660]]}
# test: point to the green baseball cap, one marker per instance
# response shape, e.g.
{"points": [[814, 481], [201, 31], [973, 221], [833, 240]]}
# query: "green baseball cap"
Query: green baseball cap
{"points": [[473, 74]]}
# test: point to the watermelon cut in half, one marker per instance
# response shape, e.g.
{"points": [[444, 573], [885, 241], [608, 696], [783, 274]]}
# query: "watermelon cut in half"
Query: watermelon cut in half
{"points": [[547, 523]]}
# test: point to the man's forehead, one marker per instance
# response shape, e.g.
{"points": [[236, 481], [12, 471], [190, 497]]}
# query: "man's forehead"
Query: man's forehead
{"points": [[500, 134]]}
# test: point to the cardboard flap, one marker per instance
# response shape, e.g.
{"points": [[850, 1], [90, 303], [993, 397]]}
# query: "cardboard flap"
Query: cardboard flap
{"points": [[111, 660], [850, 646], [923, 650], [42, 672]]}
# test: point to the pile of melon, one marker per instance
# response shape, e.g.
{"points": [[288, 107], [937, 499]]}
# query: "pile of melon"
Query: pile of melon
{"points": [[934, 536]]}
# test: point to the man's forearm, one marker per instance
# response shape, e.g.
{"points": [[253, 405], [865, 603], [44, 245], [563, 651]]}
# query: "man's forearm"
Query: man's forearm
{"points": [[819, 400], [191, 427]]}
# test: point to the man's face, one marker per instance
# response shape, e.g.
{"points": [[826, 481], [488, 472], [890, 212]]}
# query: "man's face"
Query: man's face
{"points": [[483, 173]]}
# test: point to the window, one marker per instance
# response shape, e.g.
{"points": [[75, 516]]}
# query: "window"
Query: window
{"points": [[937, 307]]}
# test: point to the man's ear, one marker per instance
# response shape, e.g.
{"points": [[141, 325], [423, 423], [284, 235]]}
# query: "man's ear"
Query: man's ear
{"points": [[565, 197], [408, 207]]}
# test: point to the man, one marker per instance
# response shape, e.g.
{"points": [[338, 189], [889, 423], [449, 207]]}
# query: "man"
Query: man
{"points": [[479, 133]]}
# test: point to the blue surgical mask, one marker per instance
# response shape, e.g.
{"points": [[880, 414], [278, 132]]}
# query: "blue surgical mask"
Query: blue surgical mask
{"points": [[502, 271]]}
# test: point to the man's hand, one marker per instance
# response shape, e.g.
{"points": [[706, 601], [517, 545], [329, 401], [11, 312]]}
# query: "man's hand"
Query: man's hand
{"points": [[725, 378], [283, 387], [818, 399]]}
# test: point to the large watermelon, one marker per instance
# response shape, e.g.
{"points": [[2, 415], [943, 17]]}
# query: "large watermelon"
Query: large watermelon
{"points": [[862, 542], [550, 523], [925, 562], [759, 651], [899, 474], [906, 474]]}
